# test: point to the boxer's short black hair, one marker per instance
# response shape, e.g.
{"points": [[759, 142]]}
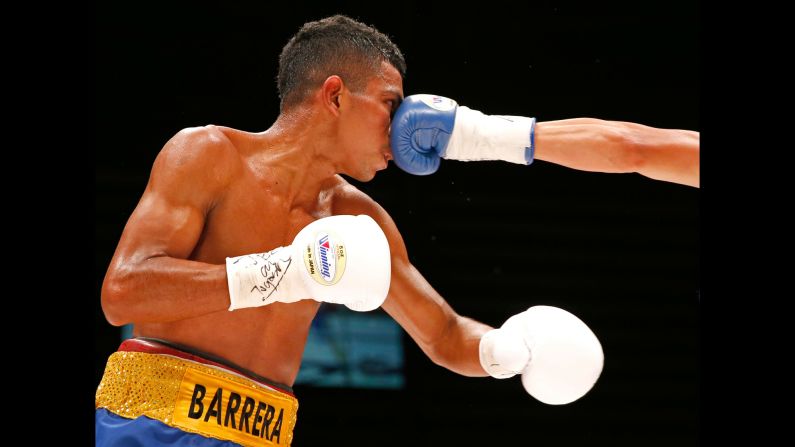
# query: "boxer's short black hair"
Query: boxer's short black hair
{"points": [[336, 45]]}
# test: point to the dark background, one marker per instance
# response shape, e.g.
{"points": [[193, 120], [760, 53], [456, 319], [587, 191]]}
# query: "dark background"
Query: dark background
{"points": [[621, 251]]}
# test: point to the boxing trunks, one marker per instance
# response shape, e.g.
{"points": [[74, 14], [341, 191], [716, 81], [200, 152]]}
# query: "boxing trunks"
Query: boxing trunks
{"points": [[154, 393]]}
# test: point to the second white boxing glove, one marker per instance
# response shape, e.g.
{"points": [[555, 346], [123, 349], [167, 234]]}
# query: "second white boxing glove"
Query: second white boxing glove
{"points": [[559, 357]]}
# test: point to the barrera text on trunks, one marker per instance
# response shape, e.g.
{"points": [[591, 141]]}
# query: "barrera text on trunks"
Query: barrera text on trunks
{"points": [[325, 258], [231, 411]]}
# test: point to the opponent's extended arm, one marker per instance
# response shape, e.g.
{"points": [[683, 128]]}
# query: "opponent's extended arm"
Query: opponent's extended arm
{"points": [[589, 144], [429, 127]]}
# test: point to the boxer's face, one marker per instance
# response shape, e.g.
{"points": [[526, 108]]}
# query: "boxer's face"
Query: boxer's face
{"points": [[365, 130]]}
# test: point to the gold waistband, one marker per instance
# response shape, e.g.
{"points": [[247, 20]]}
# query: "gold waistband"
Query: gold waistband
{"points": [[197, 398]]}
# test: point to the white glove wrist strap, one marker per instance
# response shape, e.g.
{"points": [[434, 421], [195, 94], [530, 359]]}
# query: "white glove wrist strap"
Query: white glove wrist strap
{"points": [[264, 278], [502, 353], [477, 136]]}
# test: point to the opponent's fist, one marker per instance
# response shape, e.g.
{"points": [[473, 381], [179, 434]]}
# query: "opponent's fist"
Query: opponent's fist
{"points": [[427, 127], [559, 357], [337, 259]]}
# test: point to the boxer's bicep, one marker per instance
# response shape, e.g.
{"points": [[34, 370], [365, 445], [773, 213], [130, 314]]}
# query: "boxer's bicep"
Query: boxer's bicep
{"points": [[187, 178], [161, 226]]}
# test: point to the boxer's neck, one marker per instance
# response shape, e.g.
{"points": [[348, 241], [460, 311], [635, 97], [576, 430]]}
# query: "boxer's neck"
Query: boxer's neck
{"points": [[301, 149]]}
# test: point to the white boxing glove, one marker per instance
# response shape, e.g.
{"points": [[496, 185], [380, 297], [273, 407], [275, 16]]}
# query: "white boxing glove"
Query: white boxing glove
{"points": [[559, 357], [337, 259]]}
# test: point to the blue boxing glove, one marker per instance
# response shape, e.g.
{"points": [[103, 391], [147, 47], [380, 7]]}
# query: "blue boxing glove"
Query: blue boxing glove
{"points": [[426, 128]]}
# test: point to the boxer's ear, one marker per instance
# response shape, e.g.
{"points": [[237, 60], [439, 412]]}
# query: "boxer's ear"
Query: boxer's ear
{"points": [[331, 91]]}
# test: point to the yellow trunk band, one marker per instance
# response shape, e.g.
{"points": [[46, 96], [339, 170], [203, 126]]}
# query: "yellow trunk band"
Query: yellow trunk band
{"points": [[197, 398]]}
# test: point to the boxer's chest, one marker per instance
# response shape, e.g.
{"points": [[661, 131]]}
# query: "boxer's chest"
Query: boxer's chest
{"points": [[252, 218]]}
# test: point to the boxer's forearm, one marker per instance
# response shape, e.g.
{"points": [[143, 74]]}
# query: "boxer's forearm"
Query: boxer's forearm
{"points": [[457, 349], [162, 289], [612, 146], [671, 155]]}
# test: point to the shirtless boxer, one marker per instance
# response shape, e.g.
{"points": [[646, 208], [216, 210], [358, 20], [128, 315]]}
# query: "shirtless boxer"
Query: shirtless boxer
{"points": [[240, 236]]}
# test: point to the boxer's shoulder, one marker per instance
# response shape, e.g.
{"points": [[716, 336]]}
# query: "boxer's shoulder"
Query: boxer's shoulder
{"points": [[207, 137], [205, 154], [348, 199]]}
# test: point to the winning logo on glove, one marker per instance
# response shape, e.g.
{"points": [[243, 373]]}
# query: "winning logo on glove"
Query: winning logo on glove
{"points": [[325, 258]]}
